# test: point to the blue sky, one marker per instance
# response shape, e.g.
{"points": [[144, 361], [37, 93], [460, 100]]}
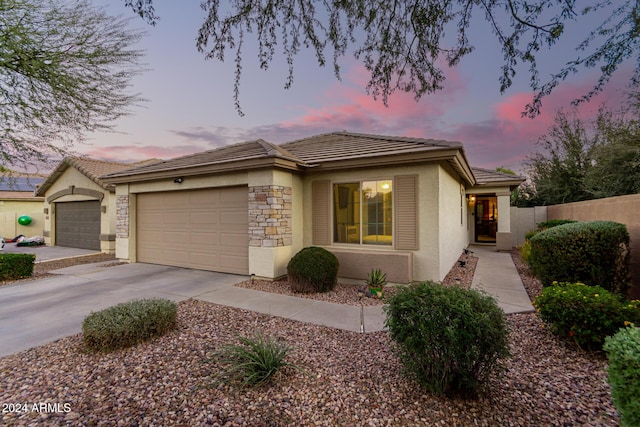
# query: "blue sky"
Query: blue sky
{"points": [[190, 105]]}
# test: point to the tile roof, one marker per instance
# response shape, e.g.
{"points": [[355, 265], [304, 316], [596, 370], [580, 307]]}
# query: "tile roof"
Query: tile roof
{"points": [[337, 146], [92, 169], [302, 154], [488, 176], [258, 149]]}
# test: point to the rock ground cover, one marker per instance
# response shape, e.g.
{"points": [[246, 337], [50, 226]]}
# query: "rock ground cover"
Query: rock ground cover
{"points": [[349, 379]]}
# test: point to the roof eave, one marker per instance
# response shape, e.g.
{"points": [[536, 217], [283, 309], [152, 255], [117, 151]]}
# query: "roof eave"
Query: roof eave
{"points": [[207, 169], [452, 155]]}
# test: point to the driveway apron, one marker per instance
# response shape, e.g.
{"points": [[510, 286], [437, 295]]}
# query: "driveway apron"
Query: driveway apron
{"points": [[41, 311]]}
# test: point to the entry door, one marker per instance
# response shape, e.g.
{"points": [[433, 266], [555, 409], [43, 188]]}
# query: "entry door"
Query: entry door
{"points": [[486, 219]]}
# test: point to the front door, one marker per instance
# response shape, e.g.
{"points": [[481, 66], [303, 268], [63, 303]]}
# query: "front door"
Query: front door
{"points": [[486, 217]]}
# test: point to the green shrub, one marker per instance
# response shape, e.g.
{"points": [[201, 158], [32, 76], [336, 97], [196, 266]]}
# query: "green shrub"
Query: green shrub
{"points": [[525, 249], [529, 234], [623, 354], [585, 314], [554, 223], [313, 269], [16, 266], [595, 253], [255, 361], [128, 324], [449, 339], [525, 252]]}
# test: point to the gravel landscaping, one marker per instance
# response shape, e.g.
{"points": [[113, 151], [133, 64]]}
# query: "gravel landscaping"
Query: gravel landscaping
{"points": [[349, 379]]}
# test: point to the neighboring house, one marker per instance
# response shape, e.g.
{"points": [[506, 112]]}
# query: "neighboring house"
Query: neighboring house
{"points": [[405, 205], [16, 200], [80, 208]]}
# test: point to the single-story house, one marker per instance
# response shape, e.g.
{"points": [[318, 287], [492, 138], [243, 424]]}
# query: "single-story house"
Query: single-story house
{"points": [[17, 199], [79, 208], [408, 206]]}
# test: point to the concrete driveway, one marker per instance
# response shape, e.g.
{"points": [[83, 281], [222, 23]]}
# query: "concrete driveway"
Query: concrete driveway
{"points": [[47, 253], [41, 311]]}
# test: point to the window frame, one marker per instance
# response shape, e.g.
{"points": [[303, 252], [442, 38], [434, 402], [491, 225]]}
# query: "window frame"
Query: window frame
{"points": [[361, 243]]}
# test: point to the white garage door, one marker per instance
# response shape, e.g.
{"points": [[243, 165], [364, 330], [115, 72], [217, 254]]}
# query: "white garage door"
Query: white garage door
{"points": [[204, 229]]}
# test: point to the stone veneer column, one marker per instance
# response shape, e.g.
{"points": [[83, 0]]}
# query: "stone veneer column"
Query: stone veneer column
{"points": [[122, 217], [270, 216]]}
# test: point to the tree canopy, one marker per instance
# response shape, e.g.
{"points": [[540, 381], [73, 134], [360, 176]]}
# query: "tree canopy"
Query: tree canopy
{"points": [[585, 159], [405, 44], [65, 68]]}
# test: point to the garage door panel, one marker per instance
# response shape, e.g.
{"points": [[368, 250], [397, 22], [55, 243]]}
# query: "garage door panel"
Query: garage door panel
{"points": [[230, 218], [78, 224], [204, 239], [205, 229], [204, 218], [233, 240]]}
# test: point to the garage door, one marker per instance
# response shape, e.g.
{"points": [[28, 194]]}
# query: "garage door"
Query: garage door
{"points": [[204, 229], [78, 224]]}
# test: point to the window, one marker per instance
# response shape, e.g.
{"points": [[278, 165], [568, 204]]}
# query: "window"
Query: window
{"points": [[363, 212]]}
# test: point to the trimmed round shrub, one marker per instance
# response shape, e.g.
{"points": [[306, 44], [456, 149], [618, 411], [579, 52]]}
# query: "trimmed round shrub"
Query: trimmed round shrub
{"points": [[313, 270], [595, 253], [127, 324], [623, 354], [525, 249], [554, 223], [585, 314], [449, 339]]}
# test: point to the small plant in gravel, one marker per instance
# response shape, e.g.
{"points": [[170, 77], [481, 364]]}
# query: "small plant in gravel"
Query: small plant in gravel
{"points": [[312, 270], [450, 339], [127, 324], [254, 361], [584, 314], [623, 354], [376, 281]]}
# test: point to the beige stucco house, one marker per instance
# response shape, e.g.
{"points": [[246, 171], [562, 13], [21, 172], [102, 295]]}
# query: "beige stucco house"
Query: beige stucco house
{"points": [[404, 205], [79, 208], [17, 199]]}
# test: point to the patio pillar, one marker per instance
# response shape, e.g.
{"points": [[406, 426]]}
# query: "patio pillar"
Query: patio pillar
{"points": [[503, 236]]}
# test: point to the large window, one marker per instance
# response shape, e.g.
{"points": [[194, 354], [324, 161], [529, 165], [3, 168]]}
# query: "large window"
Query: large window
{"points": [[363, 212]]}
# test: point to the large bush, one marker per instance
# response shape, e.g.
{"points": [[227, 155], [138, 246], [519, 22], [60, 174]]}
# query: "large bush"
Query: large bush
{"points": [[525, 249], [449, 339], [595, 253], [16, 266], [585, 314], [312, 270], [553, 223], [128, 324], [623, 353]]}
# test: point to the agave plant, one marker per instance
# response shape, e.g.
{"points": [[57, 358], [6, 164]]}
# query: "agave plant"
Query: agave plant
{"points": [[376, 279]]}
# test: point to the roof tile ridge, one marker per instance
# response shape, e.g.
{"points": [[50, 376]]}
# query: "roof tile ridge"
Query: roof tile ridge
{"points": [[278, 151]]}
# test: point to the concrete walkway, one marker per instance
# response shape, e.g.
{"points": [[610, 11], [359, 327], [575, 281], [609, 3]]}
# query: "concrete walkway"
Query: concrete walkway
{"points": [[497, 275], [41, 311]]}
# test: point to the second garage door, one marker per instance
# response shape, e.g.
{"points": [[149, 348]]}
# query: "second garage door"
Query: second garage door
{"points": [[205, 229], [78, 224]]}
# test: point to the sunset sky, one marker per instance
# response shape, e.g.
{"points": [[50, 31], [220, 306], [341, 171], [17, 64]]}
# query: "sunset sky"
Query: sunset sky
{"points": [[190, 105]]}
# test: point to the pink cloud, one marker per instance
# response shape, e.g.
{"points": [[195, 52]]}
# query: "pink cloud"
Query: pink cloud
{"points": [[506, 138]]}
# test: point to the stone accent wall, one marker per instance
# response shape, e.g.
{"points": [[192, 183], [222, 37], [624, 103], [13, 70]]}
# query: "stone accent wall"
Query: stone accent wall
{"points": [[270, 216], [122, 217]]}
